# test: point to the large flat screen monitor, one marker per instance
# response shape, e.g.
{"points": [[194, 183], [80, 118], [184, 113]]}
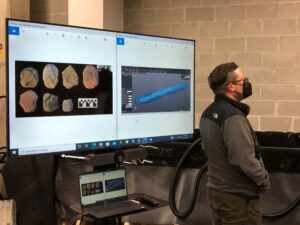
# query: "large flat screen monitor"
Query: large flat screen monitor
{"points": [[75, 89]]}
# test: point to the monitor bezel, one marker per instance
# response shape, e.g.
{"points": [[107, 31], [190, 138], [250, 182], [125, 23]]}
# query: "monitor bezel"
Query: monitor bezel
{"points": [[96, 150]]}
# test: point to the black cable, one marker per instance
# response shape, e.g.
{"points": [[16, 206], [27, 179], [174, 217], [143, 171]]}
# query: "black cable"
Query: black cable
{"points": [[290, 207], [119, 220], [76, 217], [283, 212], [3, 155], [174, 183], [202, 170], [81, 219], [2, 96]]}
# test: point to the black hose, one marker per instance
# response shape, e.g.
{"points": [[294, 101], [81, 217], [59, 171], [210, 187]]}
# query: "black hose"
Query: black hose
{"points": [[283, 212], [201, 172], [172, 191]]}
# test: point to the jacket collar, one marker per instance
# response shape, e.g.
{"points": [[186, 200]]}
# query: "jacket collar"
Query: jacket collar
{"points": [[241, 106]]}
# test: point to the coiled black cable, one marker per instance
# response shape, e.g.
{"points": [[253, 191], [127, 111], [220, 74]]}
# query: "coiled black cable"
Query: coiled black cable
{"points": [[283, 212], [172, 191], [201, 172]]}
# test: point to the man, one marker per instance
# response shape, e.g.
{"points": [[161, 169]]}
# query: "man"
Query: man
{"points": [[236, 174]]}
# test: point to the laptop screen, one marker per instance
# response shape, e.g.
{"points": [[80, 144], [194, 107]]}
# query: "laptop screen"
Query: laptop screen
{"points": [[102, 186]]}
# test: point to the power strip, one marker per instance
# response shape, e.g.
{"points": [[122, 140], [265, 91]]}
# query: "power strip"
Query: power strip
{"points": [[8, 212]]}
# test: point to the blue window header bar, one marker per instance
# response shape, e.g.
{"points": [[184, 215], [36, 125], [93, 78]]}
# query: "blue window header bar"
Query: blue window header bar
{"points": [[13, 30], [120, 41]]}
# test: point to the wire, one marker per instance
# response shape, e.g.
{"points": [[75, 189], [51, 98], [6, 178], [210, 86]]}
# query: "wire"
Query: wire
{"points": [[283, 212], [73, 157], [119, 220], [290, 207], [202, 170], [174, 183], [148, 147], [76, 217], [2, 157], [2, 96]]}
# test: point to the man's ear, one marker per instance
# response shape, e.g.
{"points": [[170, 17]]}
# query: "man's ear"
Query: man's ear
{"points": [[230, 87]]}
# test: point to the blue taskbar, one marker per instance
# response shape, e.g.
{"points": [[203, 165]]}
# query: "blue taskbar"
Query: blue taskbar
{"points": [[131, 142]]}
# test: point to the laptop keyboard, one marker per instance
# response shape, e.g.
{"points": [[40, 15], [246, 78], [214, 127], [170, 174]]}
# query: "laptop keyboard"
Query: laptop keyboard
{"points": [[116, 205]]}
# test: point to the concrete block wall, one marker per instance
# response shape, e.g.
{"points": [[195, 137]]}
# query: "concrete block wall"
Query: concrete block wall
{"points": [[50, 11], [18, 9], [4, 12], [261, 36]]}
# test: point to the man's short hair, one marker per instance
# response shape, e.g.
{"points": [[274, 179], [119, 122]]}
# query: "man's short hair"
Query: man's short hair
{"points": [[219, 75]]}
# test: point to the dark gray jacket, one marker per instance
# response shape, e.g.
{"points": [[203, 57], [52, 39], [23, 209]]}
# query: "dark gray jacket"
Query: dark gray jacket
{"points": [[234, 165]]}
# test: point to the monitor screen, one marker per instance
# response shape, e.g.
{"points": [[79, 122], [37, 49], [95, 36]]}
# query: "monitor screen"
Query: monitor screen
{"points": [[75, 89]]}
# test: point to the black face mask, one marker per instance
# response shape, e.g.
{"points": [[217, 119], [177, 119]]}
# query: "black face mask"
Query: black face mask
{"points": [[247, 89]]}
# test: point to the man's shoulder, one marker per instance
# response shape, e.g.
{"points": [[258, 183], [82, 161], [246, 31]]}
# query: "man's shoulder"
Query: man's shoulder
{"points": [[220, 111]]}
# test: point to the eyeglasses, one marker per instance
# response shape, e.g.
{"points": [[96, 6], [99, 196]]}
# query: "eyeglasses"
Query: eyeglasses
{"points": [[245, 79]]}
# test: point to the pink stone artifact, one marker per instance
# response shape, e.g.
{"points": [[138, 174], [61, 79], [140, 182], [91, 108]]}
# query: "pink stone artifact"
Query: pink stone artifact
{"points": [[90, 77], [28, 101]]}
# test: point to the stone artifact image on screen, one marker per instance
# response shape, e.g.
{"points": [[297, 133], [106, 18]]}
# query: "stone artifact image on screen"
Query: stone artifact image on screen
{"points": [[50, 102], [28, 101], [67, 105], [29, 77], [59, 87], [90, 77], [50, 76], [70, 77]]}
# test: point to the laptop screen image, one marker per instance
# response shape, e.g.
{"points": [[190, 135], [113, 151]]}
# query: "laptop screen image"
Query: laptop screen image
{"points": [[102, 186]]}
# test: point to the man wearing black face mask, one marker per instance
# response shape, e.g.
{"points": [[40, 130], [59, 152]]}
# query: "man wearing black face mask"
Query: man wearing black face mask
{"points": [[236, 174]]}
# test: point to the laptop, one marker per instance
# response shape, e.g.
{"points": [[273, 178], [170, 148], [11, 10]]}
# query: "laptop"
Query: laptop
{"points": [[104, 194]]}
